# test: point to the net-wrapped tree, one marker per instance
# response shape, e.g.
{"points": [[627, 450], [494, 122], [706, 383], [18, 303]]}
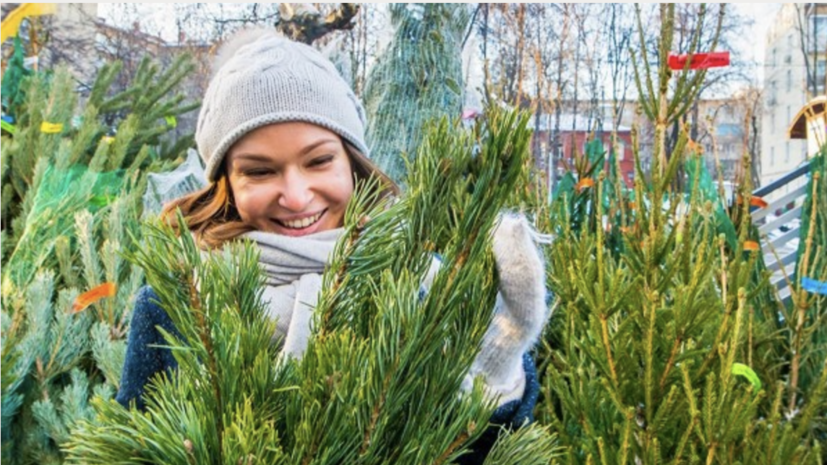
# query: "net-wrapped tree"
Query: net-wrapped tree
{"points": [[73, 176], [417, 79]]}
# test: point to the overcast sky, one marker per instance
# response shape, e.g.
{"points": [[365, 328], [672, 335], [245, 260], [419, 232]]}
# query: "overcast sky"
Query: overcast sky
{"points": [[749, 49]]}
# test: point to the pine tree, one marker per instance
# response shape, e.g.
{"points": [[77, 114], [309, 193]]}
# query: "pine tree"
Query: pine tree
{"points": [[417, 79], [666, 343], [808, 333], [72, 183], [373, 385]]}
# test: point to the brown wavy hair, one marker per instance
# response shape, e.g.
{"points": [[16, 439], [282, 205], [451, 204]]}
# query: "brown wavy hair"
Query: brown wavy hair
{"points": [[211, 214]]}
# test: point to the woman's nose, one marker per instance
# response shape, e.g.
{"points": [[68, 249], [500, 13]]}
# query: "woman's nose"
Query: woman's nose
{"points": [[296, 194]]}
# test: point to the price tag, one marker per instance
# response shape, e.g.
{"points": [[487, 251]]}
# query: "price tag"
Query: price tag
{"points": [[51, 128], [739, 369], [816, 287], [8, 127]]}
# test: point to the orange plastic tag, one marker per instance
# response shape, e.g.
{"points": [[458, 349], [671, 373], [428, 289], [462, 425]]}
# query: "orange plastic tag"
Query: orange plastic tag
{"points": [[755, 201], [91, 296], [584, 183], [751, 246]]}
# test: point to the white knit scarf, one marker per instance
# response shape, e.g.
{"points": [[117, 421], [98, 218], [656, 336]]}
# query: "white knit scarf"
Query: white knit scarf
{"points": [[293, 267]]}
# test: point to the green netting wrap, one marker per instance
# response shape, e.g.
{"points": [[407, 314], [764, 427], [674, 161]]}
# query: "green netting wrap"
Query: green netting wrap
{"points": [[13, 75], [696, 171], [417, 79], [590, 165], [61, 194]]}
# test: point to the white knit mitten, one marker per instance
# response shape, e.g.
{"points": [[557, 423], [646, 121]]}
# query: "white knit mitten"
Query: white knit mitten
{"points": [[520, 311]]}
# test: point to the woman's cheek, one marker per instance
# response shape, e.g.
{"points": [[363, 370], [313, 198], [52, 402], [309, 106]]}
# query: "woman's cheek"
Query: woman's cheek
{"points": [[252, 199]]}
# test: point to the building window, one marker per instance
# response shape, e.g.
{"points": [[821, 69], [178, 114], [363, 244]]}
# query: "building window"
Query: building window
{"points": [[789, 80], [771, 93], [774, 57], [787, 152], [772, 121], [789, 119], [819, 34], [772, 156]]}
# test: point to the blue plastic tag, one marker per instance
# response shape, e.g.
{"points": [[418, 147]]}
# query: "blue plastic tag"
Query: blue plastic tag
{"points": [[816, 287]]}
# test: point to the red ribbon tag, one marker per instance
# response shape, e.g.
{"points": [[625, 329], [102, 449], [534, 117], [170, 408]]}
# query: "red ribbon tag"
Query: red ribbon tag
{"points": [[699, 60]]}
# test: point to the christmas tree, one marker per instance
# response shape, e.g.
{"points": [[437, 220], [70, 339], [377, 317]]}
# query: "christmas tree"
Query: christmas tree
{"points": [[667, 344], [72, 177], [372, 386], [417, 79]]}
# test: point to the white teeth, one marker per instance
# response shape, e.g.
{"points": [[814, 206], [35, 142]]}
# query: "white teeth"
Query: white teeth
{"points": [[301, 224]]}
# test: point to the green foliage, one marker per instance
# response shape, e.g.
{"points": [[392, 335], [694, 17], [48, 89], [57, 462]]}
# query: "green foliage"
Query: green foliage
{"points": [[13, 75], [416, 80], [372, 386], [111, 133], [71, 202], [661, 311], [57, 358], [805, 321]]}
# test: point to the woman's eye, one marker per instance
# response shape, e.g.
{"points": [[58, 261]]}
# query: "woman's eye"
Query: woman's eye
{"points": [[254, 173], [321, 160]]}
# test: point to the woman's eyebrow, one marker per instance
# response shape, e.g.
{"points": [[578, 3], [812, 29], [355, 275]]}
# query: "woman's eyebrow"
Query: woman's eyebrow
{"points": [[252, 156], [318, 143]]}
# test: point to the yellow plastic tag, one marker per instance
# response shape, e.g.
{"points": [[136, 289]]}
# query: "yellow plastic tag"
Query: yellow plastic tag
{"points": [[51, 128], [107, 139]]}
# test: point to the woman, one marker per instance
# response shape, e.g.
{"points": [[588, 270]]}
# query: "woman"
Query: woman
{"points": [[282, 138]]}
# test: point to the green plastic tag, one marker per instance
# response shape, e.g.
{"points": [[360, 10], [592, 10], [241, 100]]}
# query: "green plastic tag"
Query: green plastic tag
{"points": [[8, 127], [101, 200], [171, 121], [739, 369]]}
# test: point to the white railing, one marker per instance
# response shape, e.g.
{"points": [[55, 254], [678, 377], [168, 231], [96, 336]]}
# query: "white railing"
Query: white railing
{"points": [[780, 234]]}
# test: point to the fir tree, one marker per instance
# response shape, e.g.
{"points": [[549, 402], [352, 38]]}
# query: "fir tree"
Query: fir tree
{"points": [[69, 207], [667, 345], [50, 134], [373, 385]]}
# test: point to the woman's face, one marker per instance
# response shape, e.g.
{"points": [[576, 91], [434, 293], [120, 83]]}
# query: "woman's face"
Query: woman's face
{"points": [[290, 178]]}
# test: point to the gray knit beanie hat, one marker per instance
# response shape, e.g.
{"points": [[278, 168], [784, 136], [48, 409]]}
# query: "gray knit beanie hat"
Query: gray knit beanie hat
{"points": [[262, 78]]}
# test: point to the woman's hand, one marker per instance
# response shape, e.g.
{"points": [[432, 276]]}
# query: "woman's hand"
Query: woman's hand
{"points": [[520, 313]]}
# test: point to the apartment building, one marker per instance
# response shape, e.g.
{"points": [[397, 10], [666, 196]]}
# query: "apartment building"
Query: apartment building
{"points": [[795, 66]]}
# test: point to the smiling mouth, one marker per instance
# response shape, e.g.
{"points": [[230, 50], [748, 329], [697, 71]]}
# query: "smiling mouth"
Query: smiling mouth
{"points": [[302, 223]]}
